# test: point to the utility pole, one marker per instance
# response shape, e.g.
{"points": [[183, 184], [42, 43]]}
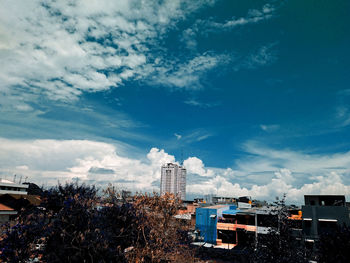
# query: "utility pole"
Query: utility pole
{"points": [[256, 230]]}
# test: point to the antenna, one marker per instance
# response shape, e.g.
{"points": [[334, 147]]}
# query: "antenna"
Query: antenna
{"points": [[14, 178], [25, 179], [20, 180], [182, 157]]}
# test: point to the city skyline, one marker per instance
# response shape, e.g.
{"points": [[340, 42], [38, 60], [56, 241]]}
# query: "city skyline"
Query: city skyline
{"points": [[253, 96]]}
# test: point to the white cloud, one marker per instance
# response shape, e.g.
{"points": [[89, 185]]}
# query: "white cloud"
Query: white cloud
{"points": [[265, 55], [259, 174], [284, 175], [188, 37], [342, 110], [47, 161], [188, 75], [253, 16], [194, 102], [196, 166], [178, 136], [196, 136], [270, 127], [62, 49]]}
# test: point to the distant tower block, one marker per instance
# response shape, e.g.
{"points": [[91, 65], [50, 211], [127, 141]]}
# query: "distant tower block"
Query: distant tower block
{"points": [[173, 180]]}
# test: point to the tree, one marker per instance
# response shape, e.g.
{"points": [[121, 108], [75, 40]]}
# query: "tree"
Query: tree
{"points": [[70, 226], [33, 189], [334, 246], [280, 244], [75, 224], [165, 238]]}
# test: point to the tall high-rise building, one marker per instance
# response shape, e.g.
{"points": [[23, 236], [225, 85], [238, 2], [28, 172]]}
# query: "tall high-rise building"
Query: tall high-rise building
{"points": [[173, 180]]}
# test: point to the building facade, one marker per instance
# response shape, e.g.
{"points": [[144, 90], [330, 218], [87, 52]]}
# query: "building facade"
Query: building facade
{"points": [[5, 213], [226, 226], [8, 187], [173, 180], [323, 213]]}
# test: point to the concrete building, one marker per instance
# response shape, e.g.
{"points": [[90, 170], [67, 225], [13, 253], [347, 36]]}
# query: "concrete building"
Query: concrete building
{"points": [[8, 187], [213, 199], [322, 213], [226, 226], [229, 226], [5, 213], [173, 180]]}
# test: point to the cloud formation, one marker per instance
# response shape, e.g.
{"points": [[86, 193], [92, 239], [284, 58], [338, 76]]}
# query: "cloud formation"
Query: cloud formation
{"points": [[253, 16], [47, 161], [61, 49], [194, 102], [269, 127], [188, 75]]}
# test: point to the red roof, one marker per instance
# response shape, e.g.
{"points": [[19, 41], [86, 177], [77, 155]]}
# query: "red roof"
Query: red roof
{"points": [[5, 208]]}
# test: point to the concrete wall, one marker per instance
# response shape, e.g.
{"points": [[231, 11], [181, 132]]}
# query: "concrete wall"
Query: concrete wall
{"points": [[319, 214]]}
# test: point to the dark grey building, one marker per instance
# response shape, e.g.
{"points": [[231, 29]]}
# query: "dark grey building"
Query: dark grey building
{"points": [[322, 213]]}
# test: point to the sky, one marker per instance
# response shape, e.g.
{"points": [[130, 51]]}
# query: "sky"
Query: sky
{"points": [[252, 96]]}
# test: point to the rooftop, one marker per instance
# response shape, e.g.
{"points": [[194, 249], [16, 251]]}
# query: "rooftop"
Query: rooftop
{"points": [[214, 206], [6, 181], [5, 208]]}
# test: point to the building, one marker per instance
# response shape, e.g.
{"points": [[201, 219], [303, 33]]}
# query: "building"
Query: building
{"points": [[229, 226], [8, 187], [173, 180], [322, 213], [5, 213], [15, 196], [213, 199]]}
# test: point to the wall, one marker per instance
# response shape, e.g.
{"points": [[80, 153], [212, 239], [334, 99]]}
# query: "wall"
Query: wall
{"points": [[206, 224]]}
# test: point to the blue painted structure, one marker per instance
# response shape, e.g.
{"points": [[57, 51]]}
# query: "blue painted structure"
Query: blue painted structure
{"points": [[231, 211], [206, 221]]}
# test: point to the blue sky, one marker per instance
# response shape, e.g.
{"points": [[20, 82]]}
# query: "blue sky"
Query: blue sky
{"points": [[253, 95]]}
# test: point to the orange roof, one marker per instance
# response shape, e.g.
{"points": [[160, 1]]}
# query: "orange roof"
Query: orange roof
{"points": [[5, 208], [295, 217]]}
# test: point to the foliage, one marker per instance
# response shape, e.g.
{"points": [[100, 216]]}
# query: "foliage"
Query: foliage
{"points": [[33, 189], [280, 244], [165, 238], [70, 226], [75, 224], [334, 246]]}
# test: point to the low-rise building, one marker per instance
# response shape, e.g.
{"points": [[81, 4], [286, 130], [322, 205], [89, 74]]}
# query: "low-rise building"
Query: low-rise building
{"points": [[8, 187], [322, 213], [5, 213], [228, 226]]}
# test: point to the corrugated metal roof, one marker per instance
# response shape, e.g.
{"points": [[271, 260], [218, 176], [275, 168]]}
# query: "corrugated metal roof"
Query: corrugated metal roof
{"points": [[183, 216], [214, 206], [229, 212], [259, 210]]}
